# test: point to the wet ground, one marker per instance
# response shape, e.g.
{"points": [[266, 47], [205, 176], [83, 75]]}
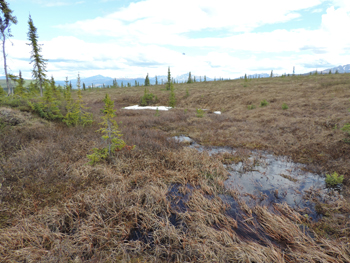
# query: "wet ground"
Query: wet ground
{"points": [[260, 178]]}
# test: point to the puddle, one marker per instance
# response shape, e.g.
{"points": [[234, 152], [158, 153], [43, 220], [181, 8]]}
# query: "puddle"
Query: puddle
{"points": [[263, 179]]}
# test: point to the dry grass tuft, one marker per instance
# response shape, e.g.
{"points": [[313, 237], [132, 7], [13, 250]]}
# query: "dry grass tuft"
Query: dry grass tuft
{"points": [[163, 202]]}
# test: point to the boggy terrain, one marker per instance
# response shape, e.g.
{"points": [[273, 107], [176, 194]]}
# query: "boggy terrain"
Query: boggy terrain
{"points": [[164, 201]]}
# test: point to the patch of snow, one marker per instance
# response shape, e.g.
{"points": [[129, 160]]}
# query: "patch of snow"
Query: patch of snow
{"points": [[217, 112], [137, 107]]}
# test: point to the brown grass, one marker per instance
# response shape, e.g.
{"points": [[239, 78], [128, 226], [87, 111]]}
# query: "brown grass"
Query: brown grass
{"points": [[160, 202]]}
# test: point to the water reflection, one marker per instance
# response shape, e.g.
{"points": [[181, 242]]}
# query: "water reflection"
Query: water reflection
{"points": [[263, 179]]}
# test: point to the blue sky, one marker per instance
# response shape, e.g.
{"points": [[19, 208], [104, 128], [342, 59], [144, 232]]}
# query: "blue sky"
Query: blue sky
{"points": [[222, 38]]}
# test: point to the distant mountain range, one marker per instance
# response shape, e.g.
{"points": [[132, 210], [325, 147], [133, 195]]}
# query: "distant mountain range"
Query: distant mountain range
{"points": [[340, 69], [99, 80]]}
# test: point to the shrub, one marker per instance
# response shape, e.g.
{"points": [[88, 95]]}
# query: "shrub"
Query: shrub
{"points": [[2, 92], [263, 103], [199, 113], [148, 98], [346, 128], [284, 106], [76, 112], [334, 179], [47, 108], [251, 107]]}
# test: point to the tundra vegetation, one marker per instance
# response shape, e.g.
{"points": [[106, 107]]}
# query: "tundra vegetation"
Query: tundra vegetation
{"points": [[160, 202]]}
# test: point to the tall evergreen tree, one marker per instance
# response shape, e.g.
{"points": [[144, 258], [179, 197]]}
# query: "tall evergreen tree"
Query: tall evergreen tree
{"points": [[189, 78], [84, 87], [39, 67], [156, 80], [147, 83], [54, 88], [168, 86], [6, 18]]}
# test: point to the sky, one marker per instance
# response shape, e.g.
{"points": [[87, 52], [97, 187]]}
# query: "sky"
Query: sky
{"points": [[222, 38]]}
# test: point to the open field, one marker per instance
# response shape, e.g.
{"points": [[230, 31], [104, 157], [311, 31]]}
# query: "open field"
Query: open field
{"points": [[161, 201], [3, 83]]}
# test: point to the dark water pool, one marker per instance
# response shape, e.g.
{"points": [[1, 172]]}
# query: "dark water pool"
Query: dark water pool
{"points": [[261, 178]]}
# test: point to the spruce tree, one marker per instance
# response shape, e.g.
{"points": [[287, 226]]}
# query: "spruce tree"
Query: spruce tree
{"points": [[6, 18], [67, 92], [147, 83], [39, 63], [33, 89], [110, 133], [189, 78], [84, 87], [20, 90], [156, 80], [135, 83], [50, 103], [168, 86], [48, 106], [76, 111], [55, 90]]}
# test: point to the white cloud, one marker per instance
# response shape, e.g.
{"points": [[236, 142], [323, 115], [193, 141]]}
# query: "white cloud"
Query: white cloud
{"points": [[53, 3], [145, 33], [165, 17]]}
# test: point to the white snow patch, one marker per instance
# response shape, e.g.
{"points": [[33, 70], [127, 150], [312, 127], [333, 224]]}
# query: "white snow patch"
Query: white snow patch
{"points": [[217, 112], [137, 107]]}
